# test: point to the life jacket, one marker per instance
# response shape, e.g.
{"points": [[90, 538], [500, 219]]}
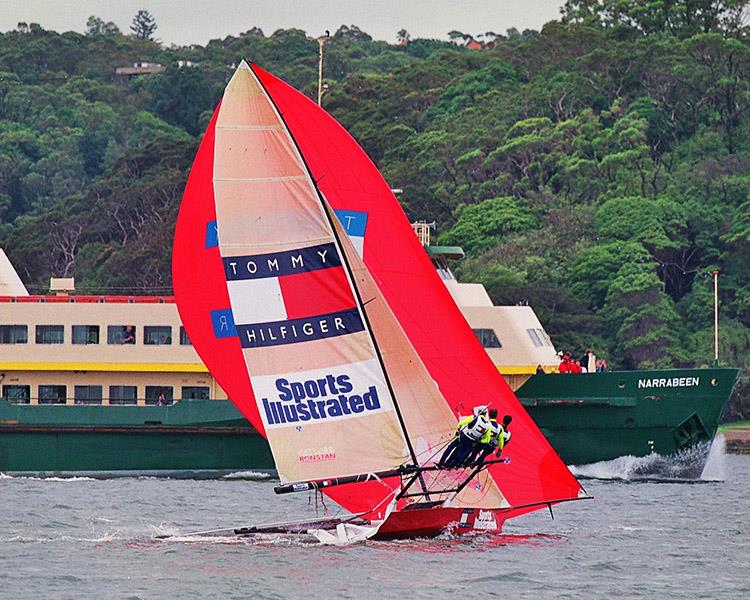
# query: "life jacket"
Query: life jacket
{"points": [[496, 435], [462, 424], [492, 433], [504, 439], [476, 429]]}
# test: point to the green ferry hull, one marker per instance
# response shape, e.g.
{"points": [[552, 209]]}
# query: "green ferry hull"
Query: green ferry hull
{"points": [[189, 437], [592, 417], [586, 417]]}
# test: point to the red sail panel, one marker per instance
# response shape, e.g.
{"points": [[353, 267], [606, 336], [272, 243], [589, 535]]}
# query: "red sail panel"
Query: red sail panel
{"points": [[199, 283], [437, 329]]}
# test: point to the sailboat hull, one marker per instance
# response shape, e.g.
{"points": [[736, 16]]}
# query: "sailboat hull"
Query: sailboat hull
{"points": [[430, 522]]}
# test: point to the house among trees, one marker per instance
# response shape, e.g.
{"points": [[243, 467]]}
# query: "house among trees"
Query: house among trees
{"points": [[472, 44], [139, 68]]}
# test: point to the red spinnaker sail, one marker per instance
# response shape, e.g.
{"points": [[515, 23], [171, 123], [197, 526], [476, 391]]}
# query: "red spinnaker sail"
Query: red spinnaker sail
{"points": [[403, 272], [437, 329]]}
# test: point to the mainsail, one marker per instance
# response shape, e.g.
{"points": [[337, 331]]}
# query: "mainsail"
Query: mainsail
{"points": [[289, 320]]}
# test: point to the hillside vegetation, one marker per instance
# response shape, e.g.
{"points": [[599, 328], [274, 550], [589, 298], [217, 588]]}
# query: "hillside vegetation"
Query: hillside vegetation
{"points": [[598, 169]]}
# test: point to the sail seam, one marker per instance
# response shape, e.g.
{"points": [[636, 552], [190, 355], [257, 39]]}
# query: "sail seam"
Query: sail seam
{"points": [[293, 244], [249, 128], [263, 179]]}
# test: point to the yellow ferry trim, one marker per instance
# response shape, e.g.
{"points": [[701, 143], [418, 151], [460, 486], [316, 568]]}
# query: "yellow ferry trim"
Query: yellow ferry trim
{"points": [[105, 366], [523, 369]]}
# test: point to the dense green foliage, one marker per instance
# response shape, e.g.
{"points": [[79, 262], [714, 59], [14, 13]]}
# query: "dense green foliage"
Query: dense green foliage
{"points": [[598, 169]]}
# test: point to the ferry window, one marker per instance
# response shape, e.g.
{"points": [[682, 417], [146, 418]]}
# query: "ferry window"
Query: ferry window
{"points": [[159, 394], [488, 338], [50, 334], [441, 265], [194, 392], [121, 334], [122, 394], [184, 339], [17, 394], [88, 394], [157, 334], [52, 394], [535, 339], [85, 334], [14, 334], [546, 341]]}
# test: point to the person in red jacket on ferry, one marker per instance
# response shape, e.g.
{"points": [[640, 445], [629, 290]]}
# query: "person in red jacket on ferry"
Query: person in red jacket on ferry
{"points": [[565, 364]]}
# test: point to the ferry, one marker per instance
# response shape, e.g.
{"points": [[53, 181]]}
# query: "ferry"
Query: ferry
{"points": [[108, 385], [600, 416]]}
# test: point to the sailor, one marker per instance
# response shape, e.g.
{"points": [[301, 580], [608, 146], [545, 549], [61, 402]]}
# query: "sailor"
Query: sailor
{"points": [[450, 450], [506, 434], [490, 440], [469, 432], [496, 438]]}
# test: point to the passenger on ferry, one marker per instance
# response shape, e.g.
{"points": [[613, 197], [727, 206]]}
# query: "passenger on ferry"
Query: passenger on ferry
{"points": [[565, 364], [128, 335], [588, 361]]}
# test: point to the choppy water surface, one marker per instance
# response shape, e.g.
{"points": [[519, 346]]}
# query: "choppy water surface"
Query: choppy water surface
{"points": [[95, 538]]}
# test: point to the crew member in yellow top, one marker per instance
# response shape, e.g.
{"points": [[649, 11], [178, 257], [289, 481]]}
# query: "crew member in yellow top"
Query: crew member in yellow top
{"points": [[485, 446], [469, 431], [496, 438]]}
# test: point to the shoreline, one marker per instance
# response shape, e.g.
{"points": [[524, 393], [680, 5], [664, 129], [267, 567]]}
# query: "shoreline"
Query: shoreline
{"points": [[737, 438]]}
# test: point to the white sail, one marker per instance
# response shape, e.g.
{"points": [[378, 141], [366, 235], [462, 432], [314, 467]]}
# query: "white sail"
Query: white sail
{"points": [[10, 282], [320, 388]]}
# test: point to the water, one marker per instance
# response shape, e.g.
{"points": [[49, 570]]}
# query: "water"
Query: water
{"points": [[95, 538], [704, 461]]}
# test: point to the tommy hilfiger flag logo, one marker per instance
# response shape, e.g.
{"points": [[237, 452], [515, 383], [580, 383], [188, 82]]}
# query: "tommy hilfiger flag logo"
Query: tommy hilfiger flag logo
{"points": [[291, 296]]}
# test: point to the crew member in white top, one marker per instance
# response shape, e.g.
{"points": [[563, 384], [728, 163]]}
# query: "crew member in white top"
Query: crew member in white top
{"points": [[496, 438], [470, 431]]}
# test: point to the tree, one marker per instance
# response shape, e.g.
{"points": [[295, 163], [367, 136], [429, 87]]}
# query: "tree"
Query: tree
{"points": [[642, 318], [254, 30], [351, 32], [96, 26], [180, 95], [681, 18], [144, 25], [601, 165], [480, 226]]}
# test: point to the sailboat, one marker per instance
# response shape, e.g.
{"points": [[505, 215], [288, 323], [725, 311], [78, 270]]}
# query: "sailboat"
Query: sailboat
{"points": [[303, 289]]}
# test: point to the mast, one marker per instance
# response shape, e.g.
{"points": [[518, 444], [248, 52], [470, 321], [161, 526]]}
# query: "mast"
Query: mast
{"points": [[350, 275]]}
